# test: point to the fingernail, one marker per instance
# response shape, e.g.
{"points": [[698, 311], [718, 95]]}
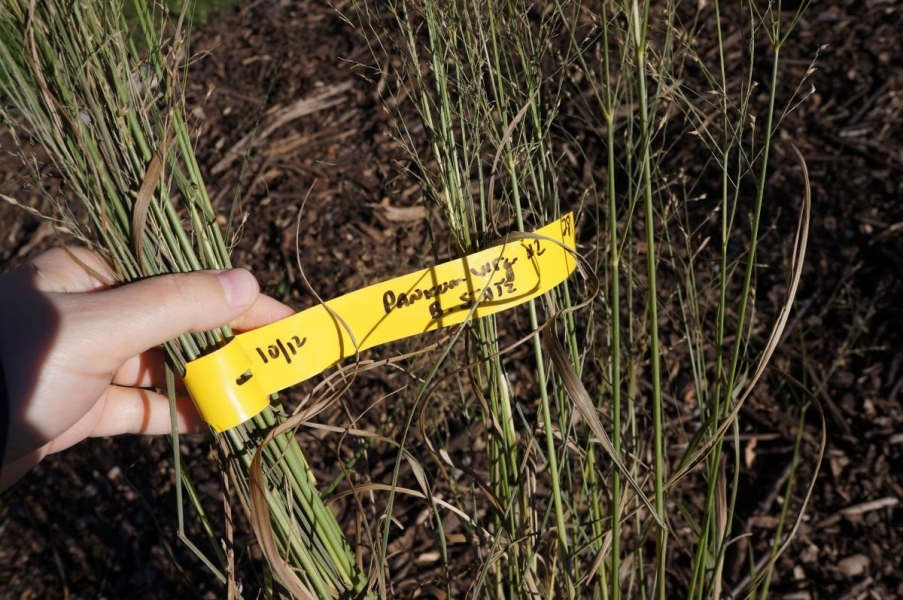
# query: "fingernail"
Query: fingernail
{"points": [[239, 287]]}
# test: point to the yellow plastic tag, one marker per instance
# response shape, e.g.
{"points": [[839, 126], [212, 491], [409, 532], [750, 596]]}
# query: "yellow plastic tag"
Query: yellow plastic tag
{"points": [[233, 383]]}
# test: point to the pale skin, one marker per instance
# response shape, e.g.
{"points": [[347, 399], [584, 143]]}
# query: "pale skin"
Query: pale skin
{"points": [[81, 358]]}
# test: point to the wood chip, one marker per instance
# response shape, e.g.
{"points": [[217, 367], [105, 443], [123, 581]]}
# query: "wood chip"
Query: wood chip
{"points": [[859, 509], [401, 214], [854, 565]]}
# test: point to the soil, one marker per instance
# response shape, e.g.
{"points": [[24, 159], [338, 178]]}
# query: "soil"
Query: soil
{"points": [[99, 520]]}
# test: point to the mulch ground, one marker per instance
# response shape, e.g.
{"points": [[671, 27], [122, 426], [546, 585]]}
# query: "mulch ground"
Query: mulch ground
{"points": [[98, 521]]}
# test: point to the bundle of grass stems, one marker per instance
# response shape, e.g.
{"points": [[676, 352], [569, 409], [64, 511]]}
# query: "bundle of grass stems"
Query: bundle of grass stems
{"points": [[107, 105]]}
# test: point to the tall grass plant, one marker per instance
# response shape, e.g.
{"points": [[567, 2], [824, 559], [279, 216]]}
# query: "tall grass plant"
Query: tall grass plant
{"points": [[531, 110]]}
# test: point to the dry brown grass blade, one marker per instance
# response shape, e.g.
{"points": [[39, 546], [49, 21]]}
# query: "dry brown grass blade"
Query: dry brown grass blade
{"points": [[326, 98], [506, 137], [26, 208], [94, 273], [384, 487], [799, 254], [796, 271], [259, 514], [584, 405], [146, 194], [154, 170]]}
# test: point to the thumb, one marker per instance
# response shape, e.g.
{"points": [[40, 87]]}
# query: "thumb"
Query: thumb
{"points": [[138, 316]]}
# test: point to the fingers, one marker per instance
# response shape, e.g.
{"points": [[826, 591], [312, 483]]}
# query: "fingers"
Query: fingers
{"points": [[130, 410], [121, 410], [73, 334], [120, 323], [148, 369], [70, 269], [266, 310], [133, 410], [78, 269], [200, 304]]}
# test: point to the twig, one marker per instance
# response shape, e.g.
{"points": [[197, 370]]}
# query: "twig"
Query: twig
{"points": [[326, 98]]}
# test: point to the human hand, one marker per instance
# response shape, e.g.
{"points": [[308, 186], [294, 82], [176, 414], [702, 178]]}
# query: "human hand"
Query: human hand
{"points": [[79, 359]]}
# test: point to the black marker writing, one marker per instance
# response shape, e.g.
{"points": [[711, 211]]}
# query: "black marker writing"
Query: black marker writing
{"points": [[502, 288], [282, 348], [495, 289], [566, 225], [391, 300], [534, 249], [496, 264]]}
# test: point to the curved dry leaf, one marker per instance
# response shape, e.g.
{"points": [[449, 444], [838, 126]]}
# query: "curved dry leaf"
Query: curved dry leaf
{"points": [[146, 194], [584, 405]]}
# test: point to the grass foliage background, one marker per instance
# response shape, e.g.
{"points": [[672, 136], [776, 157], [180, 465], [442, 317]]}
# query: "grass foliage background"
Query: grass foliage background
{"points": [[615, 471]]}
